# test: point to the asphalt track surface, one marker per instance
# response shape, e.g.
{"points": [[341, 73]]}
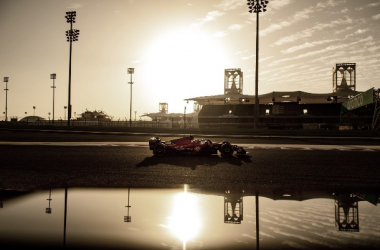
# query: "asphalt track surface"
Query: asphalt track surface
{"points": [[40, 160]]}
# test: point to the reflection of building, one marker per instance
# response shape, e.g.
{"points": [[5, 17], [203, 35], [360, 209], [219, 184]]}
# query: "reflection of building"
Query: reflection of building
{"points": [[346, 203], [347, 214], [93, 116], [282, 109], [233, 207]]}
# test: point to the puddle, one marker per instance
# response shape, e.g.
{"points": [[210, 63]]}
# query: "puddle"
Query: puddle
{"points": [[188, 218]]}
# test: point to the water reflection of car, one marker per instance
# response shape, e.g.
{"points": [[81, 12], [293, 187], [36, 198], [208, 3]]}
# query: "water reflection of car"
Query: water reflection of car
{"points": [[190, 145]]}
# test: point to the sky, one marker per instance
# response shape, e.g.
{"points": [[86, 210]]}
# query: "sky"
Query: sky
{"points": [[179, 49]]}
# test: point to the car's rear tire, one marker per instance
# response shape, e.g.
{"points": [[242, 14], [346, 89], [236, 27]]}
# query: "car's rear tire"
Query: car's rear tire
{"points": [[226, 149], [159, 150]]}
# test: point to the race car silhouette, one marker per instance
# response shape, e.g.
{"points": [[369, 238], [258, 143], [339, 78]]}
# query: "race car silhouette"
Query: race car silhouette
{"points": [[189, 145]]}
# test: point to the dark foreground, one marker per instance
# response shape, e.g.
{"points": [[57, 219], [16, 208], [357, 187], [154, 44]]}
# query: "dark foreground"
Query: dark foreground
{"points": [[30, 167], [39, 167]]}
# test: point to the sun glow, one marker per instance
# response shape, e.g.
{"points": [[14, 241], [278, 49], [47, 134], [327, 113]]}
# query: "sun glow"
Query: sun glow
{"points": [[184, 63], [185, 221]]}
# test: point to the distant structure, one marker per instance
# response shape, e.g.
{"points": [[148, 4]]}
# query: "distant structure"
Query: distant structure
{"points": [[162, 114], [175, 119], [93, 116], [32, 119], [284, 109], [344, 77], [233, 93]]}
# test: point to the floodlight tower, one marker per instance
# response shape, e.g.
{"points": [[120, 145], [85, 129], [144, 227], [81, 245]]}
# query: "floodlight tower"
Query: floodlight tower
{"points": [[72, 36], [6, 79], [53, 76], [257, 6], [130, 71]]}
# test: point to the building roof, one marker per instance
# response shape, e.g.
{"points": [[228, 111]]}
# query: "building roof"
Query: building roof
{"points": [[167, 115], [276, 96], [32, 118]]}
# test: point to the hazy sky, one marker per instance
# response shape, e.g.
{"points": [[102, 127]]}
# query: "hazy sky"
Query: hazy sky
{"points": [[179, 49]]}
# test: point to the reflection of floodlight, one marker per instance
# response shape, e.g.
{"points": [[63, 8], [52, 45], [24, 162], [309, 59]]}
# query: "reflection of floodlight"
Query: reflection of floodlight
{"points": [[48, 209], [128, 218], [233, 208]]}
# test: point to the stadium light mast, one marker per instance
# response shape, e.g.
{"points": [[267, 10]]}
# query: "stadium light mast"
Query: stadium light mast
{"points": [[53, 76], [72, 36], [130, 71], [6, 79], [257, 6]]}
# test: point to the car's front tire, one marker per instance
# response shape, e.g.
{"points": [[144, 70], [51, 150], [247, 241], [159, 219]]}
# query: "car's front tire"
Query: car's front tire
{"points": [[159, 150], [226, 149]]}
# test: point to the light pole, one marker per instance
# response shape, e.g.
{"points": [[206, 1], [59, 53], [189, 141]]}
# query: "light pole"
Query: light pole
{"points": [[53, 76], [130, 71], [184, 118], [65, 107], [6, 79], [257, 6], [72, 36], [34, 110]]}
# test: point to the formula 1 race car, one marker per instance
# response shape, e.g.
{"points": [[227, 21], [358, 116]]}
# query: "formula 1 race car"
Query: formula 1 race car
{"points": [[189, 145]]}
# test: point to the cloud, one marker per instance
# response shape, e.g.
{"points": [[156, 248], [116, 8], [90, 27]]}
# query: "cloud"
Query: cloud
{"points": [[210, 16], [220, 34], [376, 17], [74, 6], [374, 4], [235, 27], [226, 5], [358, 32], [247, 57], [324, 50], [278, 4], [274, 27], [311, 31], [239, 52], [265, 58], [330, 3], [343, 30], [306, 45], [300, 16]]}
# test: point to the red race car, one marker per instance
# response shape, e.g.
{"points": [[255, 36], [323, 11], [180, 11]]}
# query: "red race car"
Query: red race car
{"points": [[189, 145]]}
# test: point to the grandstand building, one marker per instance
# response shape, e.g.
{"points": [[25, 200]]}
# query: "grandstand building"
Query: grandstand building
{"points": [[289, 109]]}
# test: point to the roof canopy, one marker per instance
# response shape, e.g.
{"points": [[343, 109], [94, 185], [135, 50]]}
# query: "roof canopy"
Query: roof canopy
{"points": [[280, 96]]}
